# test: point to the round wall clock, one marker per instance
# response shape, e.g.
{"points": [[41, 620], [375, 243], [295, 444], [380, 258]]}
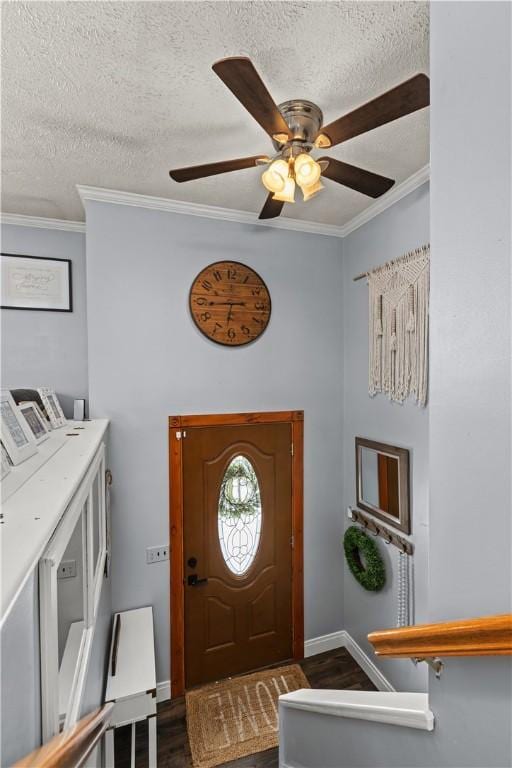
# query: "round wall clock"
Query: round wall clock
{"points": [[230, 303]]}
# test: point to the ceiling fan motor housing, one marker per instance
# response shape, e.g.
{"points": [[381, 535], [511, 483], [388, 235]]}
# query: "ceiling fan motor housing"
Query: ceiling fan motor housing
{"points": [[304, 120]]}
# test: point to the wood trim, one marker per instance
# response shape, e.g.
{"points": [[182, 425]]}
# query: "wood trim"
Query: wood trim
{"points": [[230, 419], [484, 636], [298, 538], [177, 590], [71, 748]]}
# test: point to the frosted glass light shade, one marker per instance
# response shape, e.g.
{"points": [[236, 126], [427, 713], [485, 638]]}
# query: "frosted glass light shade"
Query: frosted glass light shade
{"points": [[287, 195], [312, 190], [307, 170], [274, 178]]}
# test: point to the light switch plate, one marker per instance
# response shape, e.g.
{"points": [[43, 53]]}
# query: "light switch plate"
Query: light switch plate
{"points": [[157, 554], [67, 569]]}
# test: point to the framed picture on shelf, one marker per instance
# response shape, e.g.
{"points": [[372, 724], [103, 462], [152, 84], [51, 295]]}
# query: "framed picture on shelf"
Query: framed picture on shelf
{"points": [[14, 430], [52, 407], [33, 282], [35, 421], [6, 462]]}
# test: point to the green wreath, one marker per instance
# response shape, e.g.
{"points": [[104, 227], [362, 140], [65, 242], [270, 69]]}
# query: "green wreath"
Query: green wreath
{"points": [[372, 575]]}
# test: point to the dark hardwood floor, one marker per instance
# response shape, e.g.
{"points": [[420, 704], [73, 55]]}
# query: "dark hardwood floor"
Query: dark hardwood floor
{"points": [[334, 669]]}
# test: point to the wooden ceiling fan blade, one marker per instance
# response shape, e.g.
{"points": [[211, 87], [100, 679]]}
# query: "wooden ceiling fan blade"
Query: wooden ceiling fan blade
{"points": [[272, 208], [242, 79], [405, 98], [212, 169], [368, 183]]}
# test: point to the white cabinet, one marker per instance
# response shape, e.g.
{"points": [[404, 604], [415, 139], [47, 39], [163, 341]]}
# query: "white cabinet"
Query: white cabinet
{"points": [[68, 605], [54, 520]]}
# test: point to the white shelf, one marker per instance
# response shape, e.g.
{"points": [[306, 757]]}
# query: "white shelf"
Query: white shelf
{"points": [[410, 710], [19, 475], [32, 511], [135, 661]]}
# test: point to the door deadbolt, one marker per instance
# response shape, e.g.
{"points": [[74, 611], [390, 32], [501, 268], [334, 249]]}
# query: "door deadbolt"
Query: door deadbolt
{"points": [[192, 562]]}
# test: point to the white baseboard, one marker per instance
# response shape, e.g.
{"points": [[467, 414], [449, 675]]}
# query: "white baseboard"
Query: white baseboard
{"points": [[343, 639], [324, 643], [163, 690], [367, 665], [313, 647]]}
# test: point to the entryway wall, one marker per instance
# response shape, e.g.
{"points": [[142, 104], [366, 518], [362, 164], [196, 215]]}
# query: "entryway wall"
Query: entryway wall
{"points": [[147, 360], [401, 228]]}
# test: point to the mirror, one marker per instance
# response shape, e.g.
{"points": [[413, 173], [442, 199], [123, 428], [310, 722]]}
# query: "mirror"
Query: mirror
{"points": [[382, 482]]}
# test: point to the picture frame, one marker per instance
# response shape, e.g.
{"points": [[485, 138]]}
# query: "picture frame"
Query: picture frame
{"points": [[35, 421], [52, 407], [6, 462], [14, 430], [36, 283]]}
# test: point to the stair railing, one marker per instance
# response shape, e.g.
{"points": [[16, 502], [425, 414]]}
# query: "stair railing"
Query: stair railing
{"points": [[483, 636], [71, 748]]}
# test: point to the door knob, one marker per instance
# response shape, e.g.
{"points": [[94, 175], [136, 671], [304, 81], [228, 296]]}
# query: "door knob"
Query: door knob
{"points": [[194, 581]]}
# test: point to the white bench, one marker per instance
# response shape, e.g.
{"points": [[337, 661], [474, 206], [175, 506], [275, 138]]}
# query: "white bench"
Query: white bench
{"points": [[131, 682]]}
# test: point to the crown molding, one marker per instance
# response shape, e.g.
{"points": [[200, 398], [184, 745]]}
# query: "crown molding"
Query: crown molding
{"points": [[41, 222], [390, 198], [101, 195]]}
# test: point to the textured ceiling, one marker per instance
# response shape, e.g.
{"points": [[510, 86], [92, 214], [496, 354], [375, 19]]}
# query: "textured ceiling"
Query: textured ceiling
{"points": [[113, 94]]}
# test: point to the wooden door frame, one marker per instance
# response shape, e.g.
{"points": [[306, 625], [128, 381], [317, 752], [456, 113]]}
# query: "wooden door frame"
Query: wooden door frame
{"points": [[177, 424]]}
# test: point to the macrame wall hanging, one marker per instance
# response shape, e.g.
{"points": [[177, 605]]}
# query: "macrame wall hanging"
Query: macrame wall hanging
{"points": [[399, 297]]}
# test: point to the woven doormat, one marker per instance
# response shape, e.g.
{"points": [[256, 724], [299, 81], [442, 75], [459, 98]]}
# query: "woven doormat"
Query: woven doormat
{"points": [[238, 716]]}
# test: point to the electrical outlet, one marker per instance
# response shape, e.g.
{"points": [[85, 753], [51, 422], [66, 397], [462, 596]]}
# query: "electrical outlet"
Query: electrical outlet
{"points": [[67, 569], [157, 554]]}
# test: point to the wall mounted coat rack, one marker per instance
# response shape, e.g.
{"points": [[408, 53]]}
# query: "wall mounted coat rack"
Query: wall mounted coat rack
{"points": [[376, 529]]}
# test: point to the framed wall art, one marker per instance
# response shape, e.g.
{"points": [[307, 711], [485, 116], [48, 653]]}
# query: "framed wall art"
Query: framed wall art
{"points": [[6, 462], [52, 407], [14, 430], [35, 421], [33, 282]]}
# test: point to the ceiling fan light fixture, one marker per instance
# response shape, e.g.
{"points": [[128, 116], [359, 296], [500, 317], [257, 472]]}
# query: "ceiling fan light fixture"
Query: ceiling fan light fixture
{"points": [[274, 178], [312, 190], [287, 195], [307, 170]]}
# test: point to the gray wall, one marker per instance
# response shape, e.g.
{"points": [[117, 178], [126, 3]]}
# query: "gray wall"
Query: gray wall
{"points": [[399, 229], [147, 360], [470, 392], [47, 348]]}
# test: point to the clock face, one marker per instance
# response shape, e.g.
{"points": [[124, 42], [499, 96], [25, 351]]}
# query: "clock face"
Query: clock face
{"points": [[230, 303]]}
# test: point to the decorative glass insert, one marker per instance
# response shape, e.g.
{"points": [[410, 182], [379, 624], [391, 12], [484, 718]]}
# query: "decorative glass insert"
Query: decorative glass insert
{"points": [[239, 519]]}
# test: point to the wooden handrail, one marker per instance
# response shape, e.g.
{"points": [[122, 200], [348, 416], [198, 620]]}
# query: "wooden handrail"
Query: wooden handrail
{"points": [[485, 636], [71, 748]]}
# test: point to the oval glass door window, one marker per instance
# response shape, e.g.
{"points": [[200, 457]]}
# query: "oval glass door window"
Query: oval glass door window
{"points": [[239, 515]]}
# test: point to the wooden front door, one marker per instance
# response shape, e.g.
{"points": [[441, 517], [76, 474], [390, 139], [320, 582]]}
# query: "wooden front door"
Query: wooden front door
{"points": [[237, 548]]}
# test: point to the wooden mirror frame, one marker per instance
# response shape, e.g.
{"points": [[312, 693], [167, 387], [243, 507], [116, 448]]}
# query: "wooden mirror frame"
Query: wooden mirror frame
{"points": [[403, 523]]}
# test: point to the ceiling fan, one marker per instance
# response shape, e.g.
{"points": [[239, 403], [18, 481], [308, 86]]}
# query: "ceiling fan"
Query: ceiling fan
{"points": [[296, 129]]}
